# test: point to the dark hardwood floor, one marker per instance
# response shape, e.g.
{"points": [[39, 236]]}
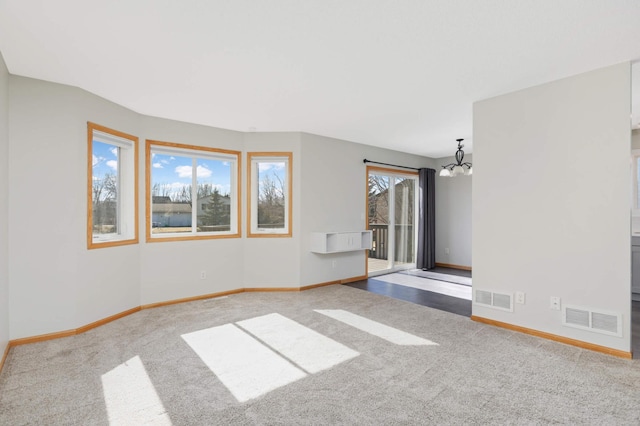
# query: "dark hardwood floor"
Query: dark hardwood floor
{"points": [[451, 271], [461, 306], [420, 297]]}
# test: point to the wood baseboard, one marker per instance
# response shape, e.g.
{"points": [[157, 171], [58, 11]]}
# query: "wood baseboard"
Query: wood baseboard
{"points": [[84, 328], [449, 265], [342, 281], [554, 337], [270, 289], [107, 320], [72, 332], [309, 287], [354, 279], [191, 299], [42, 337], [4, 357]]}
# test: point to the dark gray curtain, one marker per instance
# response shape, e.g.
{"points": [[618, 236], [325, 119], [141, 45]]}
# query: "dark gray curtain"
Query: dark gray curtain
{"points": [[426, 258]]}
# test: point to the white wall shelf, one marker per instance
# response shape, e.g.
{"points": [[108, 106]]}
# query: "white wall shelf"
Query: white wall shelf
{"points": [[337, 242]]}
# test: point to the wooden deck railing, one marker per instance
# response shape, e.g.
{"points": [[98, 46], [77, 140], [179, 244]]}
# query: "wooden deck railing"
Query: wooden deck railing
{"points": [[404, 235]]}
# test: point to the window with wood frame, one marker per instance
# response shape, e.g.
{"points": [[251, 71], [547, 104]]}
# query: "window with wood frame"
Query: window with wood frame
{"points": [[192, 192], [269, 195], [112, 187]]}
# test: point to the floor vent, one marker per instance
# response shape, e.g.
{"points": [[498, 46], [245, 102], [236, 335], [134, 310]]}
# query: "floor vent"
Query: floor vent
{"points": [[592, 320], [493, 300]]}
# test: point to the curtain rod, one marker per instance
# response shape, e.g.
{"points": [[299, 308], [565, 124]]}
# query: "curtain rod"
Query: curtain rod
{"points": [[387, 164]]}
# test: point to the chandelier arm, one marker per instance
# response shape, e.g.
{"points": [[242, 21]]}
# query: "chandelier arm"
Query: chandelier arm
{"points": [[459, 157]]}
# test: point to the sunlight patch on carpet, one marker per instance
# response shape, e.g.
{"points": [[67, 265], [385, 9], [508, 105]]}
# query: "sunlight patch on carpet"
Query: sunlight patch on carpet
{"points": [[130, 396], [245, 366], [454, 290], [305, 347], [375, 328]]}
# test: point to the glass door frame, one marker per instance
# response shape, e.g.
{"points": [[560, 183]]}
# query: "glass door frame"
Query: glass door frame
{"points": [[392, 174]]}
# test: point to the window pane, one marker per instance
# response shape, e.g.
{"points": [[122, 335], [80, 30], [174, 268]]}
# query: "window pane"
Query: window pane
{"points": [[111, 187], [378, 212], [171, 185], [193, 192], [271, 194], [105, 189], [404, 220], [214, 195]]}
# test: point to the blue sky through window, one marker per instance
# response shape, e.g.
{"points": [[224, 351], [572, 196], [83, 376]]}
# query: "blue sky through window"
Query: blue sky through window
{"points": [[105, 159], [271, 170], [173, 172]]}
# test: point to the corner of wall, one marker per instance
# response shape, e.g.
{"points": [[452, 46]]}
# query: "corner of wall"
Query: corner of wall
{"points": [[4, 213], [273, 262], [546, 226], [453, 216]]}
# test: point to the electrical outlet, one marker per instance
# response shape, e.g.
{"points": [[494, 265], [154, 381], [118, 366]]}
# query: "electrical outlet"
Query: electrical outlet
{"points": [[520, 297], [203, 275], [334, 263], [555, 303], [446, 250]]}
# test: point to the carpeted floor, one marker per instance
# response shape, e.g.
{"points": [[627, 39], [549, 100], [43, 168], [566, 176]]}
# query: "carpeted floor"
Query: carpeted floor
{"points": [[160, 362]]}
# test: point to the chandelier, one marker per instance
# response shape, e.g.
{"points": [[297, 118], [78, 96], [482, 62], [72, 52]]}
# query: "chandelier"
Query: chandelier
{"points": [[457, 168]]}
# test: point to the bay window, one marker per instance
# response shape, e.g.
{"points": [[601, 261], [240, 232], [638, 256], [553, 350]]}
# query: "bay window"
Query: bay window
{"points": [[192, 192]]}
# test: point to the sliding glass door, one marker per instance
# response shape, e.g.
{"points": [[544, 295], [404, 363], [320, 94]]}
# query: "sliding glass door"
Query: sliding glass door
{"points": [[391, 213]]}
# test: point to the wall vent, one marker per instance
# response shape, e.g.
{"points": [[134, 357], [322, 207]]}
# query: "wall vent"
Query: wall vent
{"points": [[592, 320], [493, 299], [483, 297]]}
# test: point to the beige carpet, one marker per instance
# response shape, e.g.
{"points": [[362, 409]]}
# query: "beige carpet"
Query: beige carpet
{"points": [[333, 355]]}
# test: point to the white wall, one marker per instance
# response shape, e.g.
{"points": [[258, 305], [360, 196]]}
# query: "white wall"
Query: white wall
{"points": [[548, 218], [108, 279], [56, 284], [4, 201], [334, 198], [171, 270], [45, 222], [453, 215], [274, 262]]}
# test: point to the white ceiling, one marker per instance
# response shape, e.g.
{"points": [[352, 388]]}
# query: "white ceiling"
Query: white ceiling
{"points": [[398, 74]]}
